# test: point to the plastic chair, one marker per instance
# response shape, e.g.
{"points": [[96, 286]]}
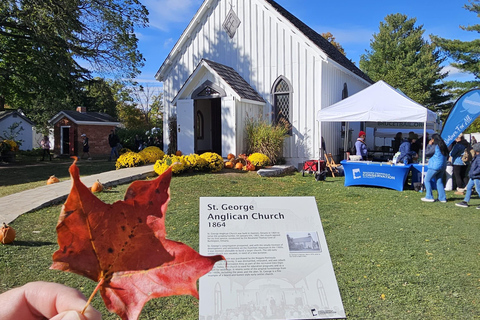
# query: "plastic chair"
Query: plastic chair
{"points": [[331, 165]]}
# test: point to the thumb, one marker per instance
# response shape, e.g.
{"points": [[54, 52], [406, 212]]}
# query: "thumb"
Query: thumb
{"points": [[68, 315]]}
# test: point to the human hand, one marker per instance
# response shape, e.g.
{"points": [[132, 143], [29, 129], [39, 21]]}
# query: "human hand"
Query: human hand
{"points": [[40, 300]]}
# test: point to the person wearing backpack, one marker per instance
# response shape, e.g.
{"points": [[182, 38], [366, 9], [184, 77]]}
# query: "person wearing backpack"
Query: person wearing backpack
{"points": [[459, 166]]}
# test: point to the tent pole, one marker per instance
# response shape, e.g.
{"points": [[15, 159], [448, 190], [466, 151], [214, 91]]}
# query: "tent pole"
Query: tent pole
{"points": [[320, 147], [424, 145]]}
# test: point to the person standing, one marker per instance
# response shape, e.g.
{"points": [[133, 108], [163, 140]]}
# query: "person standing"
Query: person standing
{"points": [[361, 146], [45, 144], [397, 141], [86, 147], [113, 141], [436, 169], [474, 175], [459, 167]]}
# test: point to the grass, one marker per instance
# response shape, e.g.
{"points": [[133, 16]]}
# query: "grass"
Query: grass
{"points": [[29, 172], [395, 257]]}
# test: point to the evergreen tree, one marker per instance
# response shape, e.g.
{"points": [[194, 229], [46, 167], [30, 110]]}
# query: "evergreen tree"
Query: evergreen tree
{"points": [[401, 57], [465, 54]]}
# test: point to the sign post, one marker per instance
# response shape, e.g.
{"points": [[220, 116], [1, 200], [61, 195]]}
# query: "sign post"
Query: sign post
{"points": [[278, 264]]}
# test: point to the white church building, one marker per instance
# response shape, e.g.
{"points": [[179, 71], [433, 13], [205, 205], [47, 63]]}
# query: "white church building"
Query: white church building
{"points": [[240, 59]]}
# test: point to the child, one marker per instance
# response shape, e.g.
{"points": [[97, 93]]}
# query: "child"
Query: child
{"points": [[474, 175]]}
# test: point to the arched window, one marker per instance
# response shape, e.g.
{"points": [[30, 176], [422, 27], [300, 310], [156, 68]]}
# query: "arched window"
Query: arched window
{"points": [[345, 91], [200, 125], [282, 102]]}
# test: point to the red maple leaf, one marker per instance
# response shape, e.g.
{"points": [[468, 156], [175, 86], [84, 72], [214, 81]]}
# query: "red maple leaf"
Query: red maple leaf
{"points": [[123, 246]]}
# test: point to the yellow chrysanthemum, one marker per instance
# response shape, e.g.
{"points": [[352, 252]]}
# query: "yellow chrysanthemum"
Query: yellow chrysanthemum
{"points": [[215, 161], [130, 159], [152, 154], [259, 159], [195, 162], [177, 163]]}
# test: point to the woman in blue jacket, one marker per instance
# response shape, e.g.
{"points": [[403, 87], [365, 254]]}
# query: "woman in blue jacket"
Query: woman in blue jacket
{"points": [[436, 169]]}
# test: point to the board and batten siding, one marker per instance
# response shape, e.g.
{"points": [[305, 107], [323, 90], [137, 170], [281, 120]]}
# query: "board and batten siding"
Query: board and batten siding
{"points": [[265, 47], [332, 86]]}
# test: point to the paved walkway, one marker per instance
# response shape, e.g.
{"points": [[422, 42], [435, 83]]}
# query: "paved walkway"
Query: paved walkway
{"points": [[19, 203], [16, 204]]}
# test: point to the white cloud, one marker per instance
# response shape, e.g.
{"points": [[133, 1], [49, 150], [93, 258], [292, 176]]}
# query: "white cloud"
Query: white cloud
{"points": [[457, 74], [165, 12], [168, 43]]}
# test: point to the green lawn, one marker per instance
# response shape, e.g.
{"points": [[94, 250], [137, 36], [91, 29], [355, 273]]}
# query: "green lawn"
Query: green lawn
{"points": [[395, 257], [30, 172]]}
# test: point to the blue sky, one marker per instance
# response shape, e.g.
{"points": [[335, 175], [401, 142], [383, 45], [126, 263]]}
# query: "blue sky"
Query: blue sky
{"points": [[351, 22]]}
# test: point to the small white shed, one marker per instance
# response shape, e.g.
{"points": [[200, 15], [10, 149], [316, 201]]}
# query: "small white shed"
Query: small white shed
{"points": [[9, 118]]}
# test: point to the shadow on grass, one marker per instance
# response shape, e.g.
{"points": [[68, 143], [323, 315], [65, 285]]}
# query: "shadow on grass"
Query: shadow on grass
{"points": [[31, 243], [20, 173]]}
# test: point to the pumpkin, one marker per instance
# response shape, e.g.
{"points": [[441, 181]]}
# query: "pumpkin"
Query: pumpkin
{"points": [[97, 186], [178, 153], [229, 165], [249, 167], [52, 179], [239, 166], [230, 156], [7, 234]]}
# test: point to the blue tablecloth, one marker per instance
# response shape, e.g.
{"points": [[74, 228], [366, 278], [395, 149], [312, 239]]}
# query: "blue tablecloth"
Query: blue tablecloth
{"points": [[417, 175], [378, 174]]}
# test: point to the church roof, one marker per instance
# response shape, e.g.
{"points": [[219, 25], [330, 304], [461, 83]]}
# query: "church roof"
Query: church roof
{"points": [[311, 34], [235, 81], [85, 117], [320, 41]]}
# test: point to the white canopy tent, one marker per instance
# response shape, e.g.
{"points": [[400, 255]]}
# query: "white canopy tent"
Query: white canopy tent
{"points": [[380, 102]]}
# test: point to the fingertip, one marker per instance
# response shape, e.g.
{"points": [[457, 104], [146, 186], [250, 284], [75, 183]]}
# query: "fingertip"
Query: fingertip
{"points": [[90, 314], [69, 315]]}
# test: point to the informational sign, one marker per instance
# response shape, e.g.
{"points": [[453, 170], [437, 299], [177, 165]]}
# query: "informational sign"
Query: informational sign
{"points": [[278, 264]]}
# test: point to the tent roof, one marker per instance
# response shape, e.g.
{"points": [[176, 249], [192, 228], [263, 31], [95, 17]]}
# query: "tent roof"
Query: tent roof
{"points": [[378, 102]]}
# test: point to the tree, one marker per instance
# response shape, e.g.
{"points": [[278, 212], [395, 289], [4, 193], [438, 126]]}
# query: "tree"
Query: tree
{"points": [[48, 48], [330, 38], [401, 57], [149, 102], [99, 96], [465, 54]]}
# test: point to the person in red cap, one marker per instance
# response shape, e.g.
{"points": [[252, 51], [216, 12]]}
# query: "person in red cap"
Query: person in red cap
{"points": [[361, 146]]}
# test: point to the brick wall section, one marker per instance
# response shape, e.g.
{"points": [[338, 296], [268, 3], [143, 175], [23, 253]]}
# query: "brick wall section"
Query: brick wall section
{"points": [[97, 138]]}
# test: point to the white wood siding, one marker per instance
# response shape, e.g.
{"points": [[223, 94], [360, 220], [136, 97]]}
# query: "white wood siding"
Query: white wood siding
{"points": [[265, 47]]}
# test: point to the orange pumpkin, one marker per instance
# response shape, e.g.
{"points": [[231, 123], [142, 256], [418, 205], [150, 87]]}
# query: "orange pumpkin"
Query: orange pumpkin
{"points": [[97, 186], [7, 234], [230, 156], [178, 153], [239, 166], [229, 165], [249, 167], [52, 179]]}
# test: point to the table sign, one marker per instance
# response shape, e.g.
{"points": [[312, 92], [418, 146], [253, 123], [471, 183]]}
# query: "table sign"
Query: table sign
{"points": [[278, 264], [377, 174]]}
